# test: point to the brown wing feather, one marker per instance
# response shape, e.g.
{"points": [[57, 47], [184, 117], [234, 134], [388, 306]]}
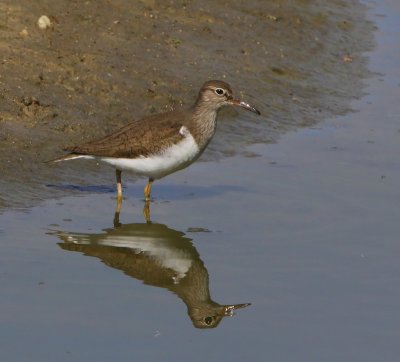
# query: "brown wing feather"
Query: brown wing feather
{"points": [[140, 138]]}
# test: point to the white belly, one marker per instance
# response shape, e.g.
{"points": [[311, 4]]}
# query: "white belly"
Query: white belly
{"points": [[156, 248], [157, 166]]}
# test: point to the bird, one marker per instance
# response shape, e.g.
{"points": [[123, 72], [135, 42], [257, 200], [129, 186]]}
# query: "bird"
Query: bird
{"points": [[158, 256], [158, 145]]}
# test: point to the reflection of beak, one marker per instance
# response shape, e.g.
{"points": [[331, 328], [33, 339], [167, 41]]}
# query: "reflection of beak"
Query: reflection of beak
{"points": [[228, 309], [238, 102]]}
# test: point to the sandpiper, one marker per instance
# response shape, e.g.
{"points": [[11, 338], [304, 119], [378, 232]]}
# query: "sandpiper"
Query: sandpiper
{"points": [[161, 144]]}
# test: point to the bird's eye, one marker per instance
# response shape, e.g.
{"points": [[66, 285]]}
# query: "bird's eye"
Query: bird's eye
{"points": [[208, 320], [220, 91]]}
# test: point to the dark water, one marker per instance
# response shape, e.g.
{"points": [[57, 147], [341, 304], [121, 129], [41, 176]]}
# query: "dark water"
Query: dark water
{"points": [[306, 231]]}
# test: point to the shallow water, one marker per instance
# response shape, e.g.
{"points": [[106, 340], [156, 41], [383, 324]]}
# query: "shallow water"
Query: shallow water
{"points": [[306, 231]]}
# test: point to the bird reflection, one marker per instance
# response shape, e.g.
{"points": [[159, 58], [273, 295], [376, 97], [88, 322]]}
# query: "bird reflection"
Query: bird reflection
{"points": [[158, 256]]}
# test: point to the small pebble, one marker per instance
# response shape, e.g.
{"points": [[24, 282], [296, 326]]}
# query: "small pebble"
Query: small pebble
{"points": [[347, 58], [24, 33], [44, 22]]}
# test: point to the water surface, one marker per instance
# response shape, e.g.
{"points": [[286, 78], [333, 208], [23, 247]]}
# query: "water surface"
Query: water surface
{"points": [[306, 231]]}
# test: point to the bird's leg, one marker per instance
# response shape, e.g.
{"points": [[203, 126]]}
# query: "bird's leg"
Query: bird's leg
{"points": [[147, 192], [119, 184], [146, 211], [118, 205], [147, 189]]}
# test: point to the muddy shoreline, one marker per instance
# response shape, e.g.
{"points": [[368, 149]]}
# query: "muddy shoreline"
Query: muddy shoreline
{"points": [[102, 64]]}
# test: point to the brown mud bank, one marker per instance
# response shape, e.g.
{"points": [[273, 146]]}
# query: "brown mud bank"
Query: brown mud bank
{"points": [[101, 64]]}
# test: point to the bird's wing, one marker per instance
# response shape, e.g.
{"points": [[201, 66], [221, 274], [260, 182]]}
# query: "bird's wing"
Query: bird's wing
{"points": [[140, 138]]}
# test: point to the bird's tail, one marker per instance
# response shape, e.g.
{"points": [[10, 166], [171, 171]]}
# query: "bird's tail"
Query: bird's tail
{"points": [[71, 156]]}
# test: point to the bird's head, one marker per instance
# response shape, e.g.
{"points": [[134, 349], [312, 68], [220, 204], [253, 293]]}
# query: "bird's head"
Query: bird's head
{"points": [[215, 94]]}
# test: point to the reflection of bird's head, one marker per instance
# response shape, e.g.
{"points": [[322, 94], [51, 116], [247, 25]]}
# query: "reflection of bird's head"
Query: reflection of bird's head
{"points": [[210, 315], [158, 256]]}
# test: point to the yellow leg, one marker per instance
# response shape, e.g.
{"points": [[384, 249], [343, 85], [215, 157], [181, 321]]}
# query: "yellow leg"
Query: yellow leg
{"points": [[119, 184], [146, 211], [147, 189], [118, 206]]}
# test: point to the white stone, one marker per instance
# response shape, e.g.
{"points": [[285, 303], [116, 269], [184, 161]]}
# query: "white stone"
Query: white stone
{"points": [[44, 22]]}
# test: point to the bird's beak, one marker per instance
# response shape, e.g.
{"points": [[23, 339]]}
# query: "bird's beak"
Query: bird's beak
{"points": [[238, 102], [228, 310]]}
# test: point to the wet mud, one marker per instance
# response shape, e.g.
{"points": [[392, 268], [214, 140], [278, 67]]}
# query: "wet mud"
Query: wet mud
{"points": [[101, 64]]}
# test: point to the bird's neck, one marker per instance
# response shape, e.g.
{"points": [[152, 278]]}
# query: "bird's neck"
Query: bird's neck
{"points": [[204, 121]]}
